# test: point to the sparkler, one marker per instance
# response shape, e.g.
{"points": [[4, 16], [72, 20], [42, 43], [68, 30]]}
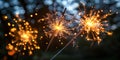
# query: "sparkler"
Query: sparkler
{"points": [[91, 25], [58, 27], [24, 37]]}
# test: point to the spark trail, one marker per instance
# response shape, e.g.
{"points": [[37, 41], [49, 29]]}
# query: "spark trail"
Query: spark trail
{"points": [[58, 27], [91, 26]]}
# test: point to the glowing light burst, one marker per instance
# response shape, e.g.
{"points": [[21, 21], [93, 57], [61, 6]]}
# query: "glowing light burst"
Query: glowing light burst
{"points": [[24, 37], [93, 24], [58, 27]]}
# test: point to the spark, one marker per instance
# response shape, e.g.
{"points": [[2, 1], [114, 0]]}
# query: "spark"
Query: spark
{"points": [[31, 15], [24, 37], [36, 14], [65, 46], [5, 17], [58, 27], [93, 24]]}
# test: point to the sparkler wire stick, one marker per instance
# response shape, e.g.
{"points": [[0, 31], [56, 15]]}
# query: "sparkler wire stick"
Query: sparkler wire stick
{"points": [[66, 45], [49, 43]]}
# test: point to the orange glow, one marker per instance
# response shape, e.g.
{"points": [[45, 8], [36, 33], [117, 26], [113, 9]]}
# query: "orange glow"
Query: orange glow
{"points": [[23, 35], [58, 28], [11, 53], [57, 25], [92, 25]]}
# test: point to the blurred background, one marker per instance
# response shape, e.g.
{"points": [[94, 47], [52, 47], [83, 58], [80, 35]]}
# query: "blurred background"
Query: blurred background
{"points": [[108, 49]]}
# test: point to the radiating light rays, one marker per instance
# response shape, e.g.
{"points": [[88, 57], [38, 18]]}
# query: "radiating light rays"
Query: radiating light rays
{"points": [[57, 27], [93, 24], [23, 36]]}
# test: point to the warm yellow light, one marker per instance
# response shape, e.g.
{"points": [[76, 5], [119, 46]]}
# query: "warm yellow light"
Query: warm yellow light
{"points": [[13, 29], [10, 47], [109, 33], [92, 25], [58, 28], [36, 13], [9, 24], [25, 37], [5, 17], [31, 15]]}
